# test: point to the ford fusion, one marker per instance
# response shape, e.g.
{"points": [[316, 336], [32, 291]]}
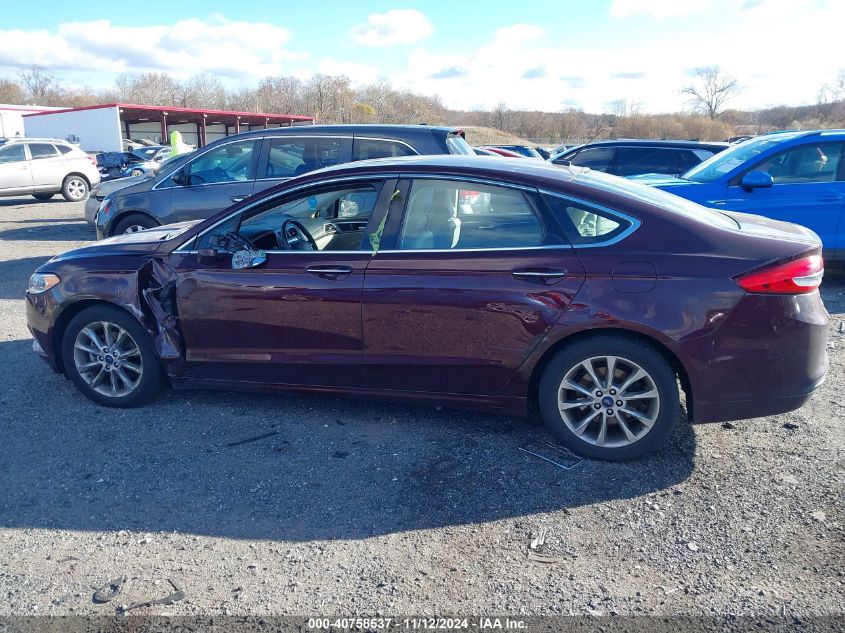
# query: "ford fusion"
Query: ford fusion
{"points": [[489, 283]]}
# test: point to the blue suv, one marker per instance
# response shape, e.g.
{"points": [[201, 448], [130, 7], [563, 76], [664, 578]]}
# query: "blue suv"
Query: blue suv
{"points": [[794, 176]]}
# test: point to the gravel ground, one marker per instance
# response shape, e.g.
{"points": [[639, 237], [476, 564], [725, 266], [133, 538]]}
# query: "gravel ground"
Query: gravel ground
{"points": [[351, 507]]}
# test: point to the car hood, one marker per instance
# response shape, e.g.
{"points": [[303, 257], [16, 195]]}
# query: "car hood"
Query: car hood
{"points": [[142, 242], [110, 186]]}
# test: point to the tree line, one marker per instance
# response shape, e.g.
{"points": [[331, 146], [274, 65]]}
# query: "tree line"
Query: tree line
{"points": [[335, 99]]}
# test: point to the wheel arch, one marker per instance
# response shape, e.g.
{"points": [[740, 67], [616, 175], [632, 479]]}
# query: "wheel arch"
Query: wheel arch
{"points": [[81, 175], [119, 217], [672, 358]]}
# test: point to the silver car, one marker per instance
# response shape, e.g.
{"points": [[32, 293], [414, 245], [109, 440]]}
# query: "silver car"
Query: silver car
{"points": [[43, 167]]}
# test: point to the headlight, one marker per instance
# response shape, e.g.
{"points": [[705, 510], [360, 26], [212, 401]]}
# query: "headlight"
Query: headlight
{"points": [[42, 282]]}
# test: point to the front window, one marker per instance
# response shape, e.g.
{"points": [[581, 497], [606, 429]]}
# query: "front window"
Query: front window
{"points": [[444, 214], [226, 163], [331, 218], [725, 162], [817, 162], [12, 153]]}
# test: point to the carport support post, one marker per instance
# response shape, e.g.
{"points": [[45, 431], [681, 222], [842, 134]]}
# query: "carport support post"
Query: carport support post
{"points": [[237, 125], [266, 122], [164, 139], [202, 129]]}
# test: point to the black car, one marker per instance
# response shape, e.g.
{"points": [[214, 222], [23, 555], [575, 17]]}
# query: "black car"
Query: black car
{"points": [[632, 157], [230, 169]]}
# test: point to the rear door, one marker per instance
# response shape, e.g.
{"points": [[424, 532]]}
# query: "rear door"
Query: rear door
{"points": [[468, 279], [47, 165], [217, 179], [15, 169], [809, 189]]}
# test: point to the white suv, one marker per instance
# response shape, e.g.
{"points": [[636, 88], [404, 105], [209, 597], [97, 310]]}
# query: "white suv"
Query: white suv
{"points": [[44, 167]]}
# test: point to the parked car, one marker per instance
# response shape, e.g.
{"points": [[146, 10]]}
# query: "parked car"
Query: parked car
{"points": [[43, 167], [544, 152], [454, 280], [484, 152], [146, 160], [507, 153], [629, 157], [524, 150], [233, 168], [793, 176]]}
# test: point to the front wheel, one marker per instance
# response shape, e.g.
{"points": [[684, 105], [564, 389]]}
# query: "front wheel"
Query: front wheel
{"points": [[136, 172], [133, 223], [74, 188], [609, 397], [109, 357]]}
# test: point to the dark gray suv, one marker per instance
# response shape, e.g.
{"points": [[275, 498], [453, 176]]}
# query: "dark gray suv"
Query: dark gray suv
{"points": [[199, 184]]}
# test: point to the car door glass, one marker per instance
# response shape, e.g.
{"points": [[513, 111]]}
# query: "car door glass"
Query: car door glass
{"points": [[12, 153], [644, 160], [42, 150], [365, 149], [63, 149], [598, 158], [807, 163], [289, 157], [335, 216], [226, 163], [444, 214]]}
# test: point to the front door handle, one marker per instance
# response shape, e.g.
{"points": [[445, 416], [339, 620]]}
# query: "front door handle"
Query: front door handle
{"points": [[238, 198], [544, 274], [830, 197], [329, 272]]}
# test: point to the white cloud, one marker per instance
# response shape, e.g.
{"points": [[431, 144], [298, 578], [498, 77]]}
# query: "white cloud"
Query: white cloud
{"points": [[397, 26], [360, 74], [219, 46], [657, 8]]}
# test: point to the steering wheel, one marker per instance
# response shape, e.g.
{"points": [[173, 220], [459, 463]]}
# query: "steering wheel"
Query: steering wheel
{"points": [[295, 237]]}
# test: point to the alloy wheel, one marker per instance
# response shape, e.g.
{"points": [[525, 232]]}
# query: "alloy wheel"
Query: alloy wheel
{"points": [[134, 228], [76, 188], [108, 359], [608, 401]]}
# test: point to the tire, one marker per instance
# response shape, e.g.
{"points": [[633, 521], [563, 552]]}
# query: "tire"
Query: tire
{"points": [[43, 196], [655, 407], [75, 188], [136, 172], [100, 377], [133, 223]]}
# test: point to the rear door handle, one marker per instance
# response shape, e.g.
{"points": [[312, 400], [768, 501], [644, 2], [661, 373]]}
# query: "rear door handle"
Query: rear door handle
{"points": [[330, 272], [538, 273], [238, 198], [830, 197]]}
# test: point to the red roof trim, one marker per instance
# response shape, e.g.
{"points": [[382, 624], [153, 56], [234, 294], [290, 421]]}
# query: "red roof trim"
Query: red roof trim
{"points": [[175, 110]]}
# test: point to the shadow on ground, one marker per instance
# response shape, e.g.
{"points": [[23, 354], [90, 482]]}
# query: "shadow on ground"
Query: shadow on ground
{"points": [[47, 230], [329, 468], [14, 275]]}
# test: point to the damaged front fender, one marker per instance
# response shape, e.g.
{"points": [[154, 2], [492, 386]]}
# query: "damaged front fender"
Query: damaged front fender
{"points": [[157, 302]]}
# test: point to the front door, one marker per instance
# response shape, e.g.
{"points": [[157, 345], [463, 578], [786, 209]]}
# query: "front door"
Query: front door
{"points": [[216, 179], [469, 279], [15, 169], [295, 319]]}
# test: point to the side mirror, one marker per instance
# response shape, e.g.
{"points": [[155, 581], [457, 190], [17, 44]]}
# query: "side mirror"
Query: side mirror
{"points": [[248, 259], [757, 180], [180, 177]]}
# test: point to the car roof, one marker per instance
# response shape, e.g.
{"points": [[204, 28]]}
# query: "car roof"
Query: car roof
{"points": [[25, 139], [627, 142], [349, 129]]}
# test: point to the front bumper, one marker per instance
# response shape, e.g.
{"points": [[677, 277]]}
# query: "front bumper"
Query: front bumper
{"points": [[92, 204]]}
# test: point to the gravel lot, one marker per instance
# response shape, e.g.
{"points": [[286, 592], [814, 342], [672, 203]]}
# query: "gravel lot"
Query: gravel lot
{"points": [[352, 507]]}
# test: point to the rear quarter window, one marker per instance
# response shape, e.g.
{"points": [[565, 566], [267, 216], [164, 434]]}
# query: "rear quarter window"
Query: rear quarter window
{"points": [[585, 224]]}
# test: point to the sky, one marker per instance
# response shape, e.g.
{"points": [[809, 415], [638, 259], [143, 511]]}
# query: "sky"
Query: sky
{"points": [[536, 54]]}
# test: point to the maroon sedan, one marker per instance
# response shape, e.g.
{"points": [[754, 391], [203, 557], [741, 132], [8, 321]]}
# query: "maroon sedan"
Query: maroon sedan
{"points": [[481, 282]]}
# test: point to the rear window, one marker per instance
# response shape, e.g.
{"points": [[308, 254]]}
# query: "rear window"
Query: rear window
{"points": [[457, 145], [657, 197], [584, 224]]}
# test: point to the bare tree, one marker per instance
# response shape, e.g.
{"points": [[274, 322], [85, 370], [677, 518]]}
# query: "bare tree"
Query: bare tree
{"points": [[11, 92], [710, 90], [42, 87]]}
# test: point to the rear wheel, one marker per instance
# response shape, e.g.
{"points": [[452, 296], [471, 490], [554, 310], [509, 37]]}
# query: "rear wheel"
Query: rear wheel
{"points": [[74, 188], [43, 196], [609, 397], [110, 358], [133, 223]]}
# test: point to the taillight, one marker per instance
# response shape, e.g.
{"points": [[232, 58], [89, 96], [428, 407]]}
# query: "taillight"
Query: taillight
{"points": [[790, 278], [92, 160]]}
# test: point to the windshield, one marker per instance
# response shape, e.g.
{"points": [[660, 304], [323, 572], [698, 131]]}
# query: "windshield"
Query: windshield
{"points": [[724, 162]]}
